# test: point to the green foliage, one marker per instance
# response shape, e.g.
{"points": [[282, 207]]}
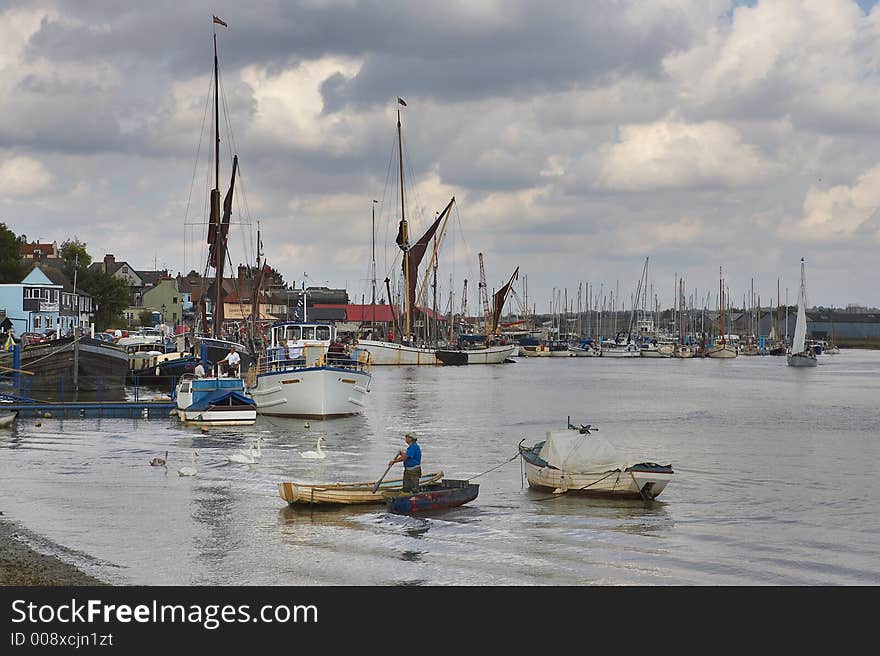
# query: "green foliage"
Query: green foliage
{"points": [[73, 252], [109, 294], [12, 269]]}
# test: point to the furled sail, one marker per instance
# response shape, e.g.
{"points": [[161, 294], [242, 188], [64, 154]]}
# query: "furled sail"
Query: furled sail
{"points": [[218, 233]]}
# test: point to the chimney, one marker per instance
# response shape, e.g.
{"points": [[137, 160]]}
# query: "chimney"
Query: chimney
{"points": [[109, 259], [242, 274]]}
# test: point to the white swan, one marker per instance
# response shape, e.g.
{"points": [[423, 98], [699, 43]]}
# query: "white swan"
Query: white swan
{"points": [[159, 462], [189, 471], [245, 458], [257, 451], [315, 454]]}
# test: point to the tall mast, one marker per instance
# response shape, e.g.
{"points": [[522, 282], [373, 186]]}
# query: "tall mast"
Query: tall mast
{"points": [[215, 204], [373, 272], [403, 229]]}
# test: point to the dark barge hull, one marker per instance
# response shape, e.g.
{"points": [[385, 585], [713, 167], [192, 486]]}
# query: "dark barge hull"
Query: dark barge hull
{"points": [[101, 366]]}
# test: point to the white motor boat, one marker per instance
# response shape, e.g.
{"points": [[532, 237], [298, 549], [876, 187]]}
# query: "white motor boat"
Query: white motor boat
{"points": [[302, 375]]}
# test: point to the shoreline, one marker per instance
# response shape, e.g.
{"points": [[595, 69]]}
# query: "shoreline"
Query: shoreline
{"points": [[20, 565]]}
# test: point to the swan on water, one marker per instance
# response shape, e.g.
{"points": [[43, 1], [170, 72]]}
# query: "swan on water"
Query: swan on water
{"points": [[245, 458], [315, 454], [189, 471], [256, 450], [159, 462]]}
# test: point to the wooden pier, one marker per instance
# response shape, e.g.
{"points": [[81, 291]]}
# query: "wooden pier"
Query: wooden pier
{"points": [[68, 409]]}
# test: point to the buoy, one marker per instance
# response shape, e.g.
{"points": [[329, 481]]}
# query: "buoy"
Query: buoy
{"points": [[306, 425], [204, 429], [38, 423], [47, 414]]}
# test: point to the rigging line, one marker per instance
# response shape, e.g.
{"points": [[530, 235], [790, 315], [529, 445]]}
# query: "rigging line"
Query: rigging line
{"points": [[244, 218], [192, 183], [496, 467]]}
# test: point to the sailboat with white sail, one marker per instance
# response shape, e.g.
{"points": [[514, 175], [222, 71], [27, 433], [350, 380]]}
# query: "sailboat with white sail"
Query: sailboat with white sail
{"points": [[801, 355]]}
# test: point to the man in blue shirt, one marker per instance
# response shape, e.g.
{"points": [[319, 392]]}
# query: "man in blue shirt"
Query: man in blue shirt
{"points": [[412, 463]]}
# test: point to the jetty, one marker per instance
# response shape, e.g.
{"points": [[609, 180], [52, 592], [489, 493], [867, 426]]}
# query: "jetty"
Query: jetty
{"points": [[148, 409]]}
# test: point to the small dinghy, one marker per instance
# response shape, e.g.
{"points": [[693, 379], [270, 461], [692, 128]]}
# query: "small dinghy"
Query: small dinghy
{"points": [[7, 418], [448, 493], [346, 493]]}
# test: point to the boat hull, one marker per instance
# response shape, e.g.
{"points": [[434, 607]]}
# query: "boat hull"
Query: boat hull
{"points": [[311, 392], [389, 353], [488, 355], [632, 483], [98, 366], [539, 351], [345, 493], [721, 351], [621, 352], [447, 494], [801, 360]]}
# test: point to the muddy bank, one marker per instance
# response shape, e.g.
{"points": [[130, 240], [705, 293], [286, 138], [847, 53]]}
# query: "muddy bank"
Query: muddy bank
{"points": [[21, 565]]}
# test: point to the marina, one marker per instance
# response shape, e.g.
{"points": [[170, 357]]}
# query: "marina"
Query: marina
{"points": [[503, 294], [757, 496]]}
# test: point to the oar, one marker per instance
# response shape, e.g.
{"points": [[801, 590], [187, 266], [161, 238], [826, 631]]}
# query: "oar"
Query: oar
{"points": [[376, 486]]}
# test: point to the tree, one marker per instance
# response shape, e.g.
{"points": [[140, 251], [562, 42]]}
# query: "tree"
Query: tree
{"points": [[109, 294], [192, 274], [12, 268], [73, 252]]}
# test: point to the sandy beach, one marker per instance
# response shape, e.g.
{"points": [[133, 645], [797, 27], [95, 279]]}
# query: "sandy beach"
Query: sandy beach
{"points": [[21, 565]]}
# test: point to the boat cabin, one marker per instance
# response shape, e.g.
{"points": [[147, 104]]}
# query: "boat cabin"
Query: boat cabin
{"points": [[301, 332]]}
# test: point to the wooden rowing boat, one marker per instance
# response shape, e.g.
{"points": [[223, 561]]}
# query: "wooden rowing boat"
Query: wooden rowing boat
{"points": [[346, 493], [448, 493]]}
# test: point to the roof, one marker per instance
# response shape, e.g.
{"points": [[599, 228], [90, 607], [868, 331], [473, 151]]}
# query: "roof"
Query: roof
{"points": [[357, 312], [29, 250], [362, 312]]}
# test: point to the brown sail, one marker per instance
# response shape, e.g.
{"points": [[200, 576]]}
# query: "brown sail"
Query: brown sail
{"points": [[498, 300]]}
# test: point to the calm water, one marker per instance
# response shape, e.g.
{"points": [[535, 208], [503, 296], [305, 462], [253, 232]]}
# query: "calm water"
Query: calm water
{"points": [[775, 482]]}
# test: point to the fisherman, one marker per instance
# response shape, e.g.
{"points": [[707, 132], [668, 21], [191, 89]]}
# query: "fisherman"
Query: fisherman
{"points": [[412, 463]]}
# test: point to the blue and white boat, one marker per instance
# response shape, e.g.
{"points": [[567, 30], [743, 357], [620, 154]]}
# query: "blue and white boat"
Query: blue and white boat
{"points": [[214, 401], [305, 372]]}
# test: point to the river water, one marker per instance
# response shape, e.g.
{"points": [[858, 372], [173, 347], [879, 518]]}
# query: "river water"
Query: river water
{"points": [[775, 482]]}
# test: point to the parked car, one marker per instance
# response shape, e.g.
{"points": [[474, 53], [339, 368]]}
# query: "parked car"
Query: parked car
{"points": [[33, 338]]}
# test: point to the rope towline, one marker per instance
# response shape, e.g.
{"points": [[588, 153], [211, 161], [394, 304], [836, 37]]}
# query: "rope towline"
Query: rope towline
{"points": [[496, 467]]}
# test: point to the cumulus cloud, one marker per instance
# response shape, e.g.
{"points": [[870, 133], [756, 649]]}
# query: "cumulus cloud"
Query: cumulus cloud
{"points": [[578, 138], [841, 211], [23, 176], [667, 155]]}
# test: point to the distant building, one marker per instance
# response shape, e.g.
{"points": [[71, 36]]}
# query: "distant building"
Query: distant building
{"points": [[37, 251]]}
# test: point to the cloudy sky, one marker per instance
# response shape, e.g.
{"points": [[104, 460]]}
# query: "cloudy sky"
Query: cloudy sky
{"points": [[578, 138]]}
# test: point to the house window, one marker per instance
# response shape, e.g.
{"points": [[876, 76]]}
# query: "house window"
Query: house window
{"points": [[174, 300], [38, 322]]}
